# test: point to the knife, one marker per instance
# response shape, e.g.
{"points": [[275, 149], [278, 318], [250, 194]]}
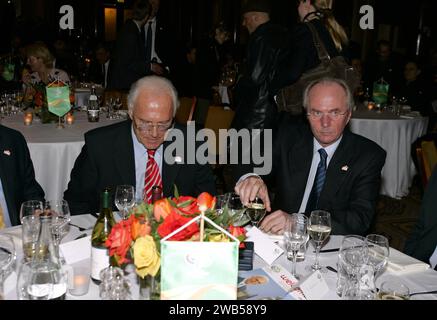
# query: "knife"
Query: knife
{"points": [[328, 250]]}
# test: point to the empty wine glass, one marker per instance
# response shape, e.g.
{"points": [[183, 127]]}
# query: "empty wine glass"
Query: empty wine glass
{"points": [[7, 259], [31, 208], [59, 212], [295, 235], [319, 228], [124, 199], [379, 250]]}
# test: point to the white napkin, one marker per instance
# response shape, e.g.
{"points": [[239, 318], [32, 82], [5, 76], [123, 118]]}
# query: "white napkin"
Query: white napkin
{"points": [[400, 263]]}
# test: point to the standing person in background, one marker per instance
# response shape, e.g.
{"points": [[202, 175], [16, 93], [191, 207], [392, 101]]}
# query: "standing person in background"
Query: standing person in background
{"points": [[303, 54], [158, 51], [129, 63], [255, 107], [210, 59]]}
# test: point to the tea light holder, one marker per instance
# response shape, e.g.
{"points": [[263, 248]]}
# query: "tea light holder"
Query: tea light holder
{"points": [[69, 119], [371, 105], [28, 118]]}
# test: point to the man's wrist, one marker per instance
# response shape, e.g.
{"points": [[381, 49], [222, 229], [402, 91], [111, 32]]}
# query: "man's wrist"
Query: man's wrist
{"points": [[248, 175]]}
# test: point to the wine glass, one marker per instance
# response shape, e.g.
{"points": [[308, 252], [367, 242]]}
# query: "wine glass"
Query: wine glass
{"points": [[379, 250], [319, 228], [31, 208], [59, 211], [7, 259], [256, 211], [295, 235], [221, 201], [124, 199]]}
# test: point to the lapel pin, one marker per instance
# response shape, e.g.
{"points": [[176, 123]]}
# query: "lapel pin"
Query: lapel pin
{"points": [[7, 152], [344, 168], [178, 159]]}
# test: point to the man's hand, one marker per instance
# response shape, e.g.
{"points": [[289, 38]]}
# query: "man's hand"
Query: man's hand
{"points": [[274, 222], [252, 187]]}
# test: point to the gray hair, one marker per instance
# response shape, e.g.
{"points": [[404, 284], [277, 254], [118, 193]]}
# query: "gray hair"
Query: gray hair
{"points": [[327, 81], [153, 83]]}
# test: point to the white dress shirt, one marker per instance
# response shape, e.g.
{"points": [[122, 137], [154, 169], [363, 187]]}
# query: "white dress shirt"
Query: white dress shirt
{"points": [[141, 157], [315, 162], [152, 23], [433, 258]]}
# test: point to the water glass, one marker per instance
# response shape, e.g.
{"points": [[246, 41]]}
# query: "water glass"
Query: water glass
{"points": [[295, 236], [31, 207], [30, 231]]}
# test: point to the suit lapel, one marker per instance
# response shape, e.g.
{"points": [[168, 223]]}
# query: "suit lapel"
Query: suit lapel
{"points": [[299, 168], [124, 155], [169, 173], [338, 168]]}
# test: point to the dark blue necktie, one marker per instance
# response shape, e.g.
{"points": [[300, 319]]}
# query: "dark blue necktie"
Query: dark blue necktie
{"points": [[148, 44], [319, 181]]}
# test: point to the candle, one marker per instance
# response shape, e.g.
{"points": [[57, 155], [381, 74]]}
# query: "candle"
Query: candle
{"points": [[70, 118], [81, 281], [28, 117], [371, 105]]}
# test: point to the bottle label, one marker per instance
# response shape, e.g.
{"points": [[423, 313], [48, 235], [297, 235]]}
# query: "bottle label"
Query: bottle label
{"points": [[99, 261], [93, 98]]}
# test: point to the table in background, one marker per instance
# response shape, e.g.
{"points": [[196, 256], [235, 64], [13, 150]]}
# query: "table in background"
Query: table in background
{"points": [[416, 281], [395, 135], [54, 151]]}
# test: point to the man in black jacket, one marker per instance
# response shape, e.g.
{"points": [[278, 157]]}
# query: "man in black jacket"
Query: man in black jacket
{"points": [[255, 107], [322, 166], [125, 153], [17, 176]]}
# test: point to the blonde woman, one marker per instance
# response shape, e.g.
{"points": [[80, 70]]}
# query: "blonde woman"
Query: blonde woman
{"points": [[40, 61], [303, 53]]}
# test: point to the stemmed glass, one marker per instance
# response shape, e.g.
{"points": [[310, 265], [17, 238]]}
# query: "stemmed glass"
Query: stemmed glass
{"points": [[59, 211], [31, 208], [379, 250], [7, 259], [295, 235], [319, 228], [256, 211], [124, 199]]}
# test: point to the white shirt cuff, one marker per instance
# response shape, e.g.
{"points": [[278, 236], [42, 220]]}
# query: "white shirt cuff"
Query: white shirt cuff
{"points": [[247, 175]]}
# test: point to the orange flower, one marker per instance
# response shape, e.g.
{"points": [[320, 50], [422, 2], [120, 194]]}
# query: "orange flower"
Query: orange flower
{"points": [[205, 201], [161, 209], [239, 233], [119, 241], [175, 221], [140, 227]]}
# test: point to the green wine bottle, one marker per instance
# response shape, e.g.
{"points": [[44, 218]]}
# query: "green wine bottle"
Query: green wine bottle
{"points": [[101, 231]]}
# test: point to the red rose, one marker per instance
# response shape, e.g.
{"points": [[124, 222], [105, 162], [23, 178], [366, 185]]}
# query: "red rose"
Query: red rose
{"points": [[239, 233], [119, 241], [175, 221], [186, 205]]}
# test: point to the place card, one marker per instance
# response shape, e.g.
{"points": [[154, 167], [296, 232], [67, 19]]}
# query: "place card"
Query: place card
{"points": [[264, 246], [76, 250], [314, 287]]}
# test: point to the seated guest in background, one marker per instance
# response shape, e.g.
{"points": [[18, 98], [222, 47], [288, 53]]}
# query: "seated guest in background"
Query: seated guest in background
{"points": [[129, 62], [17, 177], [323, 166], [132, 152], [40, 61], [422, 243], [100, 65]]}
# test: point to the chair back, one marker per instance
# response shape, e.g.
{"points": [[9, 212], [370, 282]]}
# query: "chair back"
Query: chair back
{"points": [[429, 153], [186, 109], [218, 118]]}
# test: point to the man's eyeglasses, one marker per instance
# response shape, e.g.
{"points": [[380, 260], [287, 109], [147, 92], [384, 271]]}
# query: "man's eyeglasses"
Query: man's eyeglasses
{"points": [[147, 127], [333, 115]]}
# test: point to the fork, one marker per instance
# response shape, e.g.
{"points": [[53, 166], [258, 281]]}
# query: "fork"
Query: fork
{"points": [[424, 292]]}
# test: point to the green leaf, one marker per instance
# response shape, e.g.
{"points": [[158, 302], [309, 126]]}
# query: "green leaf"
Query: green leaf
{"points": [[176, 191]]}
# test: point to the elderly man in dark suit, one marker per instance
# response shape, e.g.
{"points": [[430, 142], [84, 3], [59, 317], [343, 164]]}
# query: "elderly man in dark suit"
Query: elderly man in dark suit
{"points": [[17, 177], [422, 243], [134, 152], [322, 167]]}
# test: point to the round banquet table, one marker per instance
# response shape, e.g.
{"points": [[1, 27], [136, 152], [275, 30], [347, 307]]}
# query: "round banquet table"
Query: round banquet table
{"points": [[395, 134], [54, 151]]}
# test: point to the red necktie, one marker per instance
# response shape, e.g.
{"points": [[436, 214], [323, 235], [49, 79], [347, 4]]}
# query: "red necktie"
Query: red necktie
{"points": [[152, 176]]}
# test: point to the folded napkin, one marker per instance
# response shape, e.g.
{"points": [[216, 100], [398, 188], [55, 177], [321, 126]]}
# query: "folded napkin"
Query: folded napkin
{"points": [[400, 263]]}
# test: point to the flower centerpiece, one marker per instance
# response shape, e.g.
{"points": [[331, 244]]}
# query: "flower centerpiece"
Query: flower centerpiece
{"points": [[137, 239]]}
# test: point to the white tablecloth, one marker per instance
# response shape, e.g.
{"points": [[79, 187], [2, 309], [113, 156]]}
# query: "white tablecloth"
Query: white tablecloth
{"points": [[54, 151], [416, 281], [395, 135]]}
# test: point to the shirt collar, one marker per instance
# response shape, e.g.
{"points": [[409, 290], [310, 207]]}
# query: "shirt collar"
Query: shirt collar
{"points": [[330, 150]]}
